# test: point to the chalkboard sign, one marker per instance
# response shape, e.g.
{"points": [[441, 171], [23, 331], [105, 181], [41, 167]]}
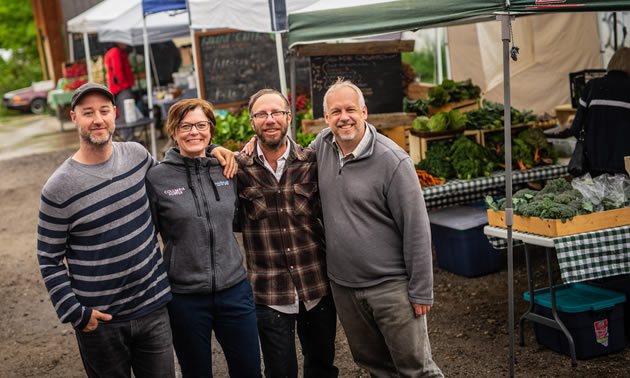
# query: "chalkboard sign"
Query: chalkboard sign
{"points": [[235, 64], [377, 75]]}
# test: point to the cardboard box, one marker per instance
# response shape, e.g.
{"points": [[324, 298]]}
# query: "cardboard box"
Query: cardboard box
{"points": [[555, 227]]}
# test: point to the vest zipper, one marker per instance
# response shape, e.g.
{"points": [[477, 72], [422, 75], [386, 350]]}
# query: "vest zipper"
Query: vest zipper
{"points": [[208, 224]]}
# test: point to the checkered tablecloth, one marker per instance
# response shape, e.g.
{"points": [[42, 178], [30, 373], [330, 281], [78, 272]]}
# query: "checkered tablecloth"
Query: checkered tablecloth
{"points": [[458, 192], [590, 255]]}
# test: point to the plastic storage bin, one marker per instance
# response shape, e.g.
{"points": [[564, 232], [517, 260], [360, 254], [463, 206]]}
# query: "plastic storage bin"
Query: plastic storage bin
{"points": [[460, 244], [594, 317], [621, 284]]}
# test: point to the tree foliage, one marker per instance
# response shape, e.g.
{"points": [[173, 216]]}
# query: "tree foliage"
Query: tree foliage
{"points": [[17, 29], [17, 35]]}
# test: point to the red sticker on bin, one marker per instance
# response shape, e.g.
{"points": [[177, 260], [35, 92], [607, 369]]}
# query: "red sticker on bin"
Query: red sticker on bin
{"points": [[601, 331]]}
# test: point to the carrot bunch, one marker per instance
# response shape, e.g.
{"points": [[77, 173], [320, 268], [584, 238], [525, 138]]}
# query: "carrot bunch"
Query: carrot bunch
{"points": [[427, 179]]}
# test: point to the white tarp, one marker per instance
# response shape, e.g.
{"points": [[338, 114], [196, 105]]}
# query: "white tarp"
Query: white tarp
{"points": [[252, 15], [161, 27], [551, 46], [102, 13]]}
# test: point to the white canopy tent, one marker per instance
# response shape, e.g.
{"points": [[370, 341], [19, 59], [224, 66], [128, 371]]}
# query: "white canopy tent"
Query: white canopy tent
{"points": [[161, 27]]}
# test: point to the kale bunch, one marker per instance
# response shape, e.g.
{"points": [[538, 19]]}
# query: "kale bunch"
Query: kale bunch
{"points": [[470, 159], [437, 161]]}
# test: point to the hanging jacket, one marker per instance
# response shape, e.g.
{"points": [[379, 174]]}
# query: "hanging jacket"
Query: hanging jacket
{"points": [[193, 207], [119, 74]]}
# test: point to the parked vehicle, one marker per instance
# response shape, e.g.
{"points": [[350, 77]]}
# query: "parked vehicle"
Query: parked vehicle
{"points": [[31, 99]]}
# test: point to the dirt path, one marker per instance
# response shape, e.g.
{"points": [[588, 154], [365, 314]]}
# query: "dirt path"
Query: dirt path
{"points": [[468, 324]]}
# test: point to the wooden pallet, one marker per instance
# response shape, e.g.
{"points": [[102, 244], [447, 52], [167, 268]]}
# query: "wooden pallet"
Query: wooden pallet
{"points": [[399, 134], [555, 228], [418, 145]]}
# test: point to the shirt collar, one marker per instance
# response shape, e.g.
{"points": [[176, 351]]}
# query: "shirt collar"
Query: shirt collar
{"points": [[284, 156], [360, 148]]}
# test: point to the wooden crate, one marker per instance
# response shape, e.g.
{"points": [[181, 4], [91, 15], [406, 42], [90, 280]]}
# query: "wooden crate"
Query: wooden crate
{"points": [[564, 113], [415, 91], [515, 130], [418, 145], [400, 135], [555, 227], [462, 106]]}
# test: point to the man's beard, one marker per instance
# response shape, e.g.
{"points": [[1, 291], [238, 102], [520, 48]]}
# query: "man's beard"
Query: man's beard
{"points": [[94, 141], [272, 144]]}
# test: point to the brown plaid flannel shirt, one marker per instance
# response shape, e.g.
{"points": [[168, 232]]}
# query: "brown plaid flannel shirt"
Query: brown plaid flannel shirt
{"points": [[282, 229]]}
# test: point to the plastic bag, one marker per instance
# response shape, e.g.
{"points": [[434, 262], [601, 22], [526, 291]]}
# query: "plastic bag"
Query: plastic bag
{"points": [[605, 192], [592, 190]]}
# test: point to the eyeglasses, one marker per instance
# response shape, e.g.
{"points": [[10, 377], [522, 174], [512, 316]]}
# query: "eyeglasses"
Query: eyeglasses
{"points": [[277, 115], [200, 126]]}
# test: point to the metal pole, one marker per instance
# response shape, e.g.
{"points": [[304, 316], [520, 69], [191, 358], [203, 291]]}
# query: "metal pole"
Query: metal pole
{"points": [[88, 58], [506, 27], [449, 74], [615, 28], [438, 54], [294, 95], [147, 70], [194, 50], [281, 72]]}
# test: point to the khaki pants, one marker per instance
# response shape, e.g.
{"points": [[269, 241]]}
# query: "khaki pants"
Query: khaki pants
{"points": [[385, 337]]}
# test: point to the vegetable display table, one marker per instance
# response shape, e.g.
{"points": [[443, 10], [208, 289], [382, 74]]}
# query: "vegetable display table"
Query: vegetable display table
{"points": [[460, 192], [141, 123], [586, 256]]}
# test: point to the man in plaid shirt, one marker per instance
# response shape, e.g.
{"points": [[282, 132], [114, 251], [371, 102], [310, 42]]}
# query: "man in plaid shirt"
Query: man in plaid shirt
{"points": [[280, 216]]}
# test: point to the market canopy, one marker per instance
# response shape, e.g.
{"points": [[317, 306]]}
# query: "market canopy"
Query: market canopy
{"points": [[156, 6], [332, 19], [161, 27], [102, 13], [246, 15]]}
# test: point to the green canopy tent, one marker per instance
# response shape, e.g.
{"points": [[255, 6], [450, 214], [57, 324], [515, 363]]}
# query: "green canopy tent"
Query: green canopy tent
{"points": [[328, 20]]}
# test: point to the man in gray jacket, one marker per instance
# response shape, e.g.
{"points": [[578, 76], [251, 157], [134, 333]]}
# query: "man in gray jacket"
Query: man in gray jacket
{"points": [[378, 240]]}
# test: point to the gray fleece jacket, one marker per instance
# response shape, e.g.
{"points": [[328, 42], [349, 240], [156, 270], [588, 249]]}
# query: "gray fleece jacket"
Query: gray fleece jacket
{"points": [[193, 207], [376, 222]]}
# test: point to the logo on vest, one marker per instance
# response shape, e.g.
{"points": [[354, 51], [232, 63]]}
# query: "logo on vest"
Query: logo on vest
{"points": [[174, 192], [222, 183]]}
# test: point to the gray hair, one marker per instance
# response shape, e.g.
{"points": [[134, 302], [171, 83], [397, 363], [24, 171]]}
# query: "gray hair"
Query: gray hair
{"points": [[342, 83]]}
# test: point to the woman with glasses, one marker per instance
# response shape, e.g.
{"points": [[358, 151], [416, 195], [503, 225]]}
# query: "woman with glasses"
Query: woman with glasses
{"points": [[194, 205]]}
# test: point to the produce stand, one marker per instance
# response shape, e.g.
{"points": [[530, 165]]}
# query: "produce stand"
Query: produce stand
{"points": [[460, 192], [585, 256], [60, 100], [418, 141]]}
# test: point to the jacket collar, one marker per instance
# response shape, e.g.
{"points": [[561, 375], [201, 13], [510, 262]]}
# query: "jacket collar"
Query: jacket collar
{"points": [[369, 150]]}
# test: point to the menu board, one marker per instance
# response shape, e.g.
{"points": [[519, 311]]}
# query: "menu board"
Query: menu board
{"points": [[377, 75], [236, 64]]}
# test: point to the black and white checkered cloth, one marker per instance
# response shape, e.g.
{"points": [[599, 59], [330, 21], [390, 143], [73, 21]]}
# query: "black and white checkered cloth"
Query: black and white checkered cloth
{"points": [[459, 192]]}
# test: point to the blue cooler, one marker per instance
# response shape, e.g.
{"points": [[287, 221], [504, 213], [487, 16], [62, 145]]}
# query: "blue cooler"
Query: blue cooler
{"points": [[460, 244], [593, 316]]}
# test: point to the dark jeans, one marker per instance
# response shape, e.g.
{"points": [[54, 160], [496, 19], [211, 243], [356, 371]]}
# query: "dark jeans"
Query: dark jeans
{"points": [[232, 316], [316, 329], [114, 348]]}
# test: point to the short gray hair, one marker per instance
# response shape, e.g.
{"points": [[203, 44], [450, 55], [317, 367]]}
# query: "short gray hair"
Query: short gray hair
{"points": [[342, 83]]}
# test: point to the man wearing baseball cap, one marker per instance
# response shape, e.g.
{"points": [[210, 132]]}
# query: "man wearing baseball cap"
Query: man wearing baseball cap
{"points": [[97, 248]]}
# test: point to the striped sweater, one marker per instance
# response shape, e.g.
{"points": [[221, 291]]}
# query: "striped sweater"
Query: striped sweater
{"points": [[96, 243]]}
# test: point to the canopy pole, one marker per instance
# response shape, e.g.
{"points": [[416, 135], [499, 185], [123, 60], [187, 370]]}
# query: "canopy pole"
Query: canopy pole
{"points": [[293, 91], [506, 28], [147, 70], [88, 58], [438, 54], [194, 50], [447, 54]]}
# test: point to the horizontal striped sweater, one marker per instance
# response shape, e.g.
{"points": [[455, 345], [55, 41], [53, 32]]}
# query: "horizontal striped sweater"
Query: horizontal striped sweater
{"points": [[96, 243]]}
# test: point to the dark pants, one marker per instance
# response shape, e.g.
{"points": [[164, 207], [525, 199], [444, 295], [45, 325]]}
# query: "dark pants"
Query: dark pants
{"points": [[316, 329], [231, 314], [114, 348]]}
